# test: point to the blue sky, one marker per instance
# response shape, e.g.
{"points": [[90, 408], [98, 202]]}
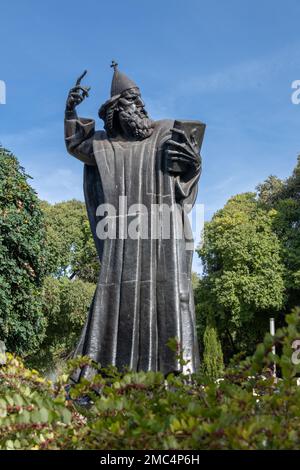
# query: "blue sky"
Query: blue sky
{"points": [[227, 63]]}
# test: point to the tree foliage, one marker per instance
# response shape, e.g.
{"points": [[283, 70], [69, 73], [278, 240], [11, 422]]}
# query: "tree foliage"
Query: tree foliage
{"points": [[243, 281], [284, 198], [65, 306], [70, 243], [22, 259], [213, 364], [73, 268]]}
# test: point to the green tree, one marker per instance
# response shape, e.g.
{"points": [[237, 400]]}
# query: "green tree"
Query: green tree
{"points": [[289, 210], [65, 306], [213, 363], [73, 268], [270, 191], [195, 280], [243, 274], [72, 252], [22, 259], [284, 198]]}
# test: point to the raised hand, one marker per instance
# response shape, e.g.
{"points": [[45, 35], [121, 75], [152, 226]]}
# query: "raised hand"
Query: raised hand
{"points": [[77, 94]]}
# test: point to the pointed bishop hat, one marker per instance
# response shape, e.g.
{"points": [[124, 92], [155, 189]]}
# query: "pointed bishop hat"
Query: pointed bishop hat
{"points": [[120, 82]]}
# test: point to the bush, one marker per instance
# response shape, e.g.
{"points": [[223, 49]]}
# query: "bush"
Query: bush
{"points": [[248, 409]]}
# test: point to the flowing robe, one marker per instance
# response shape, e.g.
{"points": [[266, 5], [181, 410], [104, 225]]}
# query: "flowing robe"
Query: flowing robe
{"points": [[144, 294]]}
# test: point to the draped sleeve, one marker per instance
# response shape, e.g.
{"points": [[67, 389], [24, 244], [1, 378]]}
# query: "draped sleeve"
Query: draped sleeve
{"points": [[79, 134], [186, 186]]}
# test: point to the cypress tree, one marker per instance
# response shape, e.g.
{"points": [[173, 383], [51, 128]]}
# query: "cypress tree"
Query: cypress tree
{"points": [[213, 357]]}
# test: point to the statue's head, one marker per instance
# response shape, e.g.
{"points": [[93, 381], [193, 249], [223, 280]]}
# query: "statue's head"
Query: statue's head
{"points": [[124, 113]]}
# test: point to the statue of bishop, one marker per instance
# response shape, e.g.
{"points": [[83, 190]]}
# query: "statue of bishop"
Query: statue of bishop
{"points": [[145, 173]]}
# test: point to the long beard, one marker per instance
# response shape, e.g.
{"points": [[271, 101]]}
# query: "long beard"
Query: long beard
{"points": [[136, 124]]}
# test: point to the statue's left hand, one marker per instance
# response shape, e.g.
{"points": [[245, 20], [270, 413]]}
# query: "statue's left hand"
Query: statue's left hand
{"points": [[182, 157]]}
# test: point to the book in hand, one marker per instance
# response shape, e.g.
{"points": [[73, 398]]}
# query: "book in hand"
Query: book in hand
{"points": [[184, 146]]}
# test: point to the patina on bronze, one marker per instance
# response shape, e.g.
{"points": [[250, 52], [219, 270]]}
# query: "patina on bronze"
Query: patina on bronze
{"points": [[144, 294]]}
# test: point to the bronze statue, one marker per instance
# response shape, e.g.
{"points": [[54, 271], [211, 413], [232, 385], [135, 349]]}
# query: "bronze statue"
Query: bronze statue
{"points": [[144, 295]]}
